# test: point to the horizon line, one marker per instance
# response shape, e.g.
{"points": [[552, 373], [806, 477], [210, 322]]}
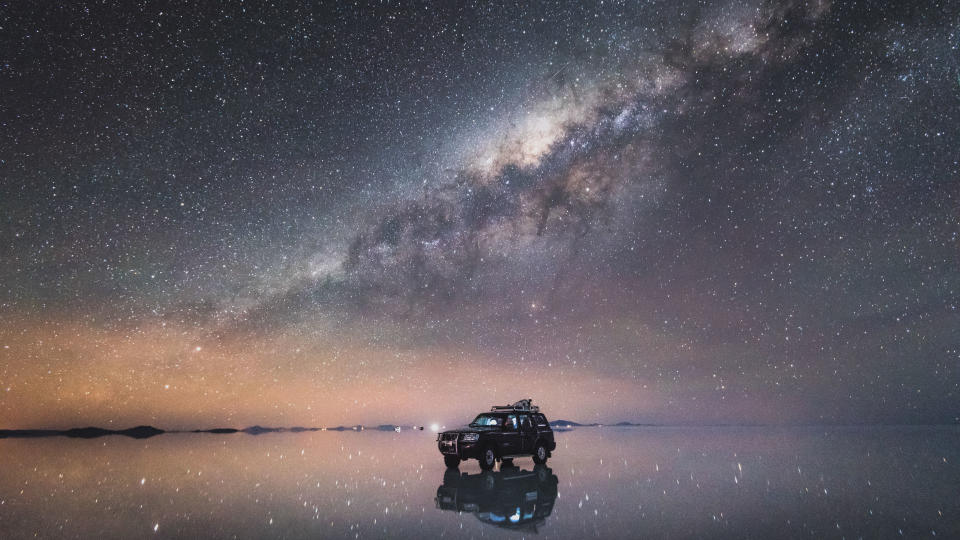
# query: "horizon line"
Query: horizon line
{"points": [[428, 427]]}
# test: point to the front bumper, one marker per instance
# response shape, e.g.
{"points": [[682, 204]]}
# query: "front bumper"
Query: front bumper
{"points": [[458, 447]]}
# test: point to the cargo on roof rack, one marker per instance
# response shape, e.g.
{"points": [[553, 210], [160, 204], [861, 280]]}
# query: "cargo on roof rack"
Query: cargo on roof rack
{"points": [[524, 405]]}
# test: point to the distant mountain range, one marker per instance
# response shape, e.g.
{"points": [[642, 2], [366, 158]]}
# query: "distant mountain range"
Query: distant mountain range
{"points": [[143, 432], [139, 432], [571, 423], [256, 430]]}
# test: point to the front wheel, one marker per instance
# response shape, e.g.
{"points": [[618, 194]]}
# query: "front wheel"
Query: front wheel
{"points": [[451, 461], [540, 454], [488, 458]]}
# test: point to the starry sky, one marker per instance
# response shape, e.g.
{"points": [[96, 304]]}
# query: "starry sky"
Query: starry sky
{"points": [[672, 212]]}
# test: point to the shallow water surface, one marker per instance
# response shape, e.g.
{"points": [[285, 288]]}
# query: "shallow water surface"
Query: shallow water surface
{"points": [[601, 482]]}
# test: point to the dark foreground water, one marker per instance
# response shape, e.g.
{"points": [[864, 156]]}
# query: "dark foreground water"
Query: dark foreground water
{"points": [[602, 482]]}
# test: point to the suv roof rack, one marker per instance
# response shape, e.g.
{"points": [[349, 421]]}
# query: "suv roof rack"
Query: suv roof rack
{"points": [[523, 405]]}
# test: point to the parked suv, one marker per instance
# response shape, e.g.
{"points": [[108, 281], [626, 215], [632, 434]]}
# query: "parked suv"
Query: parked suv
{"points": [[506, 432]]}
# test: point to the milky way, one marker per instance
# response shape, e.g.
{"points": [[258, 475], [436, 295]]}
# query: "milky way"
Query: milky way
{"points": [[743, 212]]}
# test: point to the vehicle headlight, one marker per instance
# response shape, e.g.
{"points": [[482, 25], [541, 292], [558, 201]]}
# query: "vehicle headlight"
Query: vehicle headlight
{"points": [[470, 437]]}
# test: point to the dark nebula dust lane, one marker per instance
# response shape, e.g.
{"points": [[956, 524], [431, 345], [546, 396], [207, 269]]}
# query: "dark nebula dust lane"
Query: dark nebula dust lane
{"points": [[742, 212]]}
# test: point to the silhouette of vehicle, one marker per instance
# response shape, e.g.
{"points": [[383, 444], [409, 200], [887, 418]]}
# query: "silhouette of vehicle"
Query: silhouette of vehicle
{"points": [[502, 434], [510, 498]]}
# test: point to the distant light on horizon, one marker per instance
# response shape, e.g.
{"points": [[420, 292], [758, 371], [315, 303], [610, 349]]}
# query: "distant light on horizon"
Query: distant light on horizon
{"points": [[434, 427]]}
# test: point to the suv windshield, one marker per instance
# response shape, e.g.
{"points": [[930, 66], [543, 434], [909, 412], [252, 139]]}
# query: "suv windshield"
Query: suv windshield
{"points": [[487, 420]]}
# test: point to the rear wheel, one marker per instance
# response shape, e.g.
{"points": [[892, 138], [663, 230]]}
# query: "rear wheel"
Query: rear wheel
{"points": [[488, 458], [451, 461], [540, 454]]}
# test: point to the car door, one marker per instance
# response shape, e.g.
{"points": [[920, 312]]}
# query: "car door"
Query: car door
{"points": [[528, 434], [510, 442], [544, 433]]}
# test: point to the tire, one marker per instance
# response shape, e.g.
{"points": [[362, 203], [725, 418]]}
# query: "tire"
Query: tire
{"points": [[542, 473], [451, 477], [488, 458], [451, 461], [540, 454]]}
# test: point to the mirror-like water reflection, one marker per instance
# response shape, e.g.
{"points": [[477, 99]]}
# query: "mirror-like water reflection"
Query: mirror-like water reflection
{"points": [[512, 498], [601, 482]]}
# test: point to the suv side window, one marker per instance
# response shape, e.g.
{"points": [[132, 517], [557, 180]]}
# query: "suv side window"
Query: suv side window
{"points": [[525, 423], [541, 420], [510, 424]]}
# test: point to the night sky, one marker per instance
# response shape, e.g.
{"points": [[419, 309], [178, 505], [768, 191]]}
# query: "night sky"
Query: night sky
{"points": [[670, 212]]}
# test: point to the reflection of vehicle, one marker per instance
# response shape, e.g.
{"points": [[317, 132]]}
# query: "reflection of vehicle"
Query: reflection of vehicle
{"points": [[503, 433], [510, 498]]}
